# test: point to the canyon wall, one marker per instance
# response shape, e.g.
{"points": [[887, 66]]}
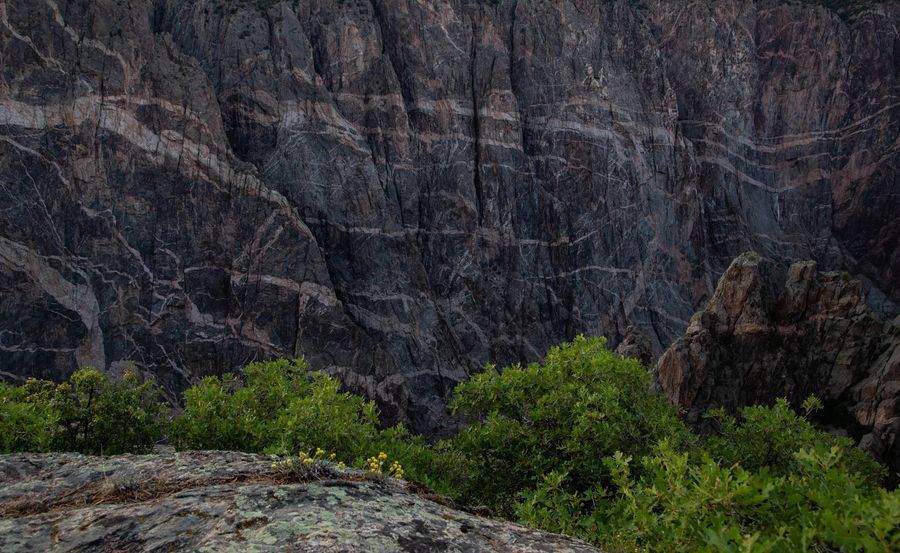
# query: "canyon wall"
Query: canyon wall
{"points": [[403, 190]]}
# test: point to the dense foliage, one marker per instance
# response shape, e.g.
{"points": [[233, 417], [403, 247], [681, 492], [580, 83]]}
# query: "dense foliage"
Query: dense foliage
{"points": [[580, 405], [689, 501], [577, 444], [92, 413], [275, 406], [282, 407], [771, 437]]}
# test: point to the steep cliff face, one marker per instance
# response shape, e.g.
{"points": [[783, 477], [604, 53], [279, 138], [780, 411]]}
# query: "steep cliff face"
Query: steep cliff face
{"points": [[406, 189], [767, 334]]}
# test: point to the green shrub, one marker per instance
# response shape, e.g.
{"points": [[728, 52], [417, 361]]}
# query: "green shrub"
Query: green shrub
{"points": [[325, 417], [276, 407], [214, 417], [693, 501], [90, 414], [771, 437], [27, 423], [581, 404], [551, 444], [439, 466], [282, 407], [241, 414], [680, 503]]}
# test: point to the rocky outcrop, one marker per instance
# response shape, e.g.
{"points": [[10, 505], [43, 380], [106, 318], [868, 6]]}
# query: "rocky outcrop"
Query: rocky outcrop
{"points": [[404, 190], [226, 501], [767, 334], [637, 346]]}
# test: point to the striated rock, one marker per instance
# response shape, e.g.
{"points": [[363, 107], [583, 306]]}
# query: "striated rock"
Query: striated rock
{"points": [[226, 501], [404, 190], [767, 334]]}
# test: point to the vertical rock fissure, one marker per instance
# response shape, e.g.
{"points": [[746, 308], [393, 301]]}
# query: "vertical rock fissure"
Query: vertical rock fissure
{"points": [[476, 127], [391, 56], [513, 85]]}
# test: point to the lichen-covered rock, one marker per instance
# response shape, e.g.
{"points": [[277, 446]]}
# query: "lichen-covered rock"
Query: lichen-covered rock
{"points": [[225, 501], [405, 190], [767, 333]]}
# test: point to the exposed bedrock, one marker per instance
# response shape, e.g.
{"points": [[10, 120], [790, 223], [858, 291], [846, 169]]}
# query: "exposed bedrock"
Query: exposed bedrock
{"points": [[404, 190], [235, 502], [767, 333]]}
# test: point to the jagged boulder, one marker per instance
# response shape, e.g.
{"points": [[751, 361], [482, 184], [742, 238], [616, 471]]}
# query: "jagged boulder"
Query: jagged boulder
{"points": [[227, 501], [767, 333]]}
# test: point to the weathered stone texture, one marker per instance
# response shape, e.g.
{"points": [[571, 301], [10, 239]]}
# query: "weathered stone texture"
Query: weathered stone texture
{"points": [[767, 333], [404, 190], [227, 501]]}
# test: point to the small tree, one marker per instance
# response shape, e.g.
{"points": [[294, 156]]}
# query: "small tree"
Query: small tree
{"points": [[90, 414]]}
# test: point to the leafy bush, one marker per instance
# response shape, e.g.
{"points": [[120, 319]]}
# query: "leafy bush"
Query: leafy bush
{"points": [[552, 445], [26, 423], [282, 407], [215, 418], [91, 414], [438, 466], [577, 444], [688, 501], [771, 437], [581, 404], [277, 407], [325, 417]]}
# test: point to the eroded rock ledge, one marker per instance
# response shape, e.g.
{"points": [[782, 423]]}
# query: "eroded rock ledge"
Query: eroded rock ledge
{"points": [[227, 501]]}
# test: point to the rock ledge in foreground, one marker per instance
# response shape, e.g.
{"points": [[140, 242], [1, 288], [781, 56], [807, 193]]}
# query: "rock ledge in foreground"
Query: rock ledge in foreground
{"points": [[227, 501]]}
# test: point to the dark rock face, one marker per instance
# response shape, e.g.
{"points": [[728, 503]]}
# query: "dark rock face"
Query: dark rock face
{"points": [[765, 334], [227, 501], [636, 345], [404, 190]]}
